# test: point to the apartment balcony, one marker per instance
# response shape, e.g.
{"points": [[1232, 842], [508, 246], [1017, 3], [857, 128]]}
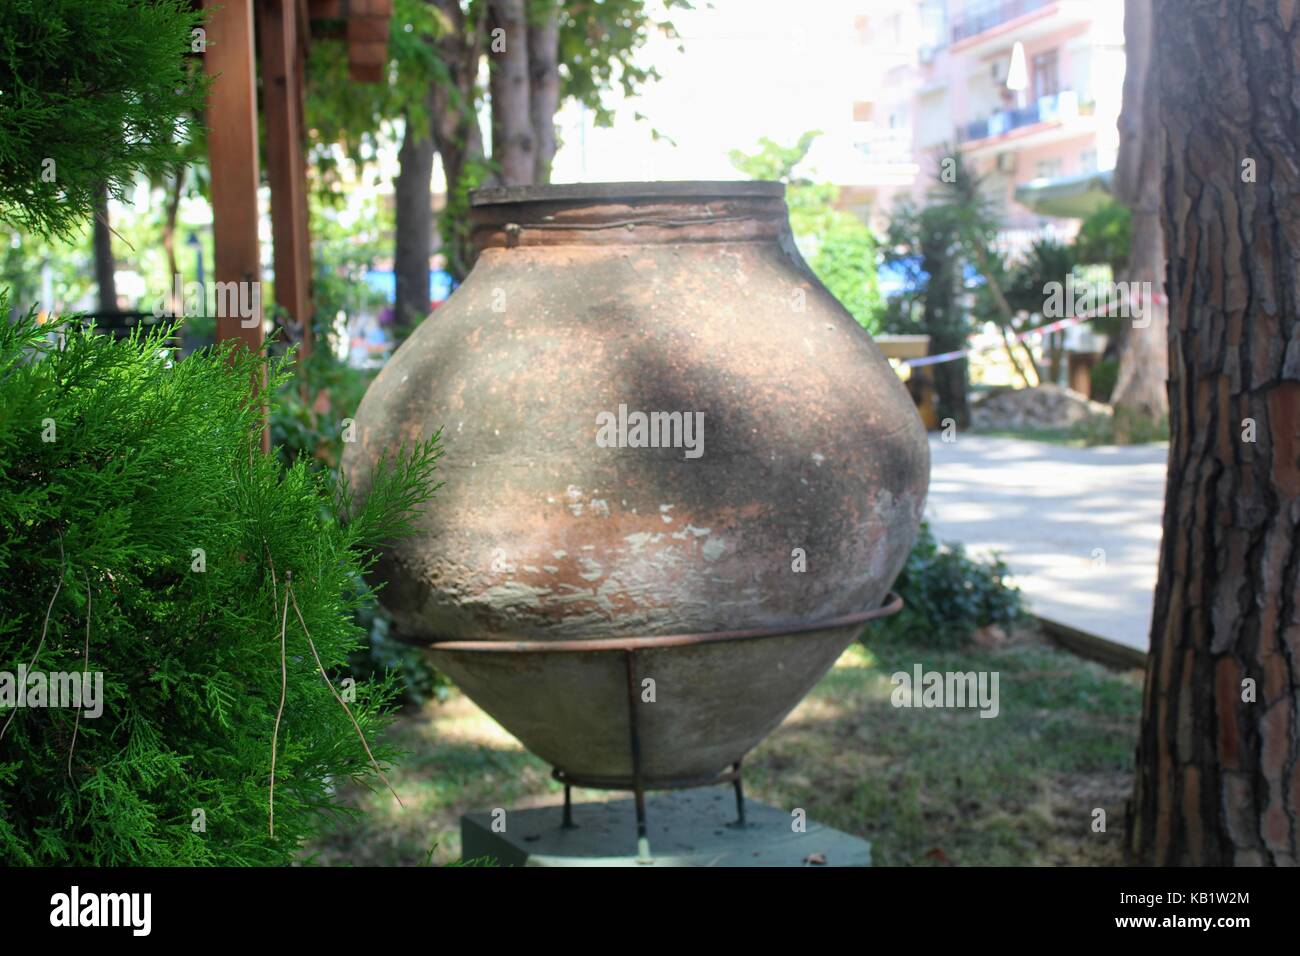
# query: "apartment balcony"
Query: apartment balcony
{"points": [[988, 27], [863, 155], [885, 147], [1046, 120], [982, 17]]}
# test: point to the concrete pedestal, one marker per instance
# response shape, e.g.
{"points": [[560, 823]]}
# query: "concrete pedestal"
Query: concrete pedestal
{"points": [[686, 828]]}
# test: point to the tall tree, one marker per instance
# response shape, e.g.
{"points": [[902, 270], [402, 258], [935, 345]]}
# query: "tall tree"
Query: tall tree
{"points": [[539, 53], [105, 264], [1141, 405], [544, 83], [413, 223], [1217, 758], [512, 123], [976, 215], [922, 245], [454, 99]]}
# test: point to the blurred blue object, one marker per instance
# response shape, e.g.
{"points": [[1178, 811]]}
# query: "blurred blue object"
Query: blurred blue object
{"points": [[904, 276], [441, 284]]}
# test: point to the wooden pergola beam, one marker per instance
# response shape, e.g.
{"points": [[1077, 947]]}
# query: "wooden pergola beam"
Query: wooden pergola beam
{"points": [[365, 25], [283, 38], [232, 160], [233, 167], [286, 167]]}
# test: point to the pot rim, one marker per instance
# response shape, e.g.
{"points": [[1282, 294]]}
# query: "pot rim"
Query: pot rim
{"points": [[661, 189]]}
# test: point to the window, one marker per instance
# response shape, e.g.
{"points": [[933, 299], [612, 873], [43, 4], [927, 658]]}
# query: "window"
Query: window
{"points": [[1046, 76], [1047, 169]]}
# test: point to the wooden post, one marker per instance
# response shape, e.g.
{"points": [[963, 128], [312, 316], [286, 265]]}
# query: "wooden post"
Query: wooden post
{"points": [[232, 159], [286, 167]]}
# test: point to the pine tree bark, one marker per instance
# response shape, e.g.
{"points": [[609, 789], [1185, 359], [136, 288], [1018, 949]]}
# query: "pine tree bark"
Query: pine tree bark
{"points": [[1218, 759], [513, 149], [1139, 397]]}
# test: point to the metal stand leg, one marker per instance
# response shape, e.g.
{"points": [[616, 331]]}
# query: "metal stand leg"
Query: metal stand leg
{"points": [[740, 797], [568, 807], [642, 840]]}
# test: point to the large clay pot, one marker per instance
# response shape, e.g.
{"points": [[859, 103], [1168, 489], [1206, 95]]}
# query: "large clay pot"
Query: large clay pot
{"points": [[589, 303]]}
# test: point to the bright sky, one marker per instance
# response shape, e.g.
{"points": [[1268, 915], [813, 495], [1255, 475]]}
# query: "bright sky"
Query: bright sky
{"points": [[749, 68]]}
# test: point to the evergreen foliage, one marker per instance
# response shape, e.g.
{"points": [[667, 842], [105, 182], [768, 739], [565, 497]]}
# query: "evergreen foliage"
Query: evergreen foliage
{"points": [[116, 466], [91, 91]]}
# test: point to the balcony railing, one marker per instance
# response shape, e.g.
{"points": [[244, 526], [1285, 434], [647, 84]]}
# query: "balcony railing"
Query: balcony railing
{"points": [[1063, 105], [886, 147], [979, 17]]}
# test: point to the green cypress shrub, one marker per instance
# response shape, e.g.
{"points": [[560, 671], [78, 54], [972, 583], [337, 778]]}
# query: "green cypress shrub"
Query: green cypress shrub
{"points": [[91, 92], [144, 535]]}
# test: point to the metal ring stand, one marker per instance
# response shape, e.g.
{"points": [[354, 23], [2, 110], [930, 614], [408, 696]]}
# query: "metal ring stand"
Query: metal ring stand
{"points": [[732, 776], [629, 647]]}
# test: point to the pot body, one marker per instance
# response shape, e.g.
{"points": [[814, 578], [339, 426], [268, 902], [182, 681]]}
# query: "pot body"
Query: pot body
{"points": [[656, 421]]}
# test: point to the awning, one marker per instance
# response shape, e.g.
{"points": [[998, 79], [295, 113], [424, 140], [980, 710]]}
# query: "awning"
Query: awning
{"points": [[1069, 197]]}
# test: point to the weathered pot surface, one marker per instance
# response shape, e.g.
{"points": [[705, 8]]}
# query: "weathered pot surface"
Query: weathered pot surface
{"points": [[790, 495]]}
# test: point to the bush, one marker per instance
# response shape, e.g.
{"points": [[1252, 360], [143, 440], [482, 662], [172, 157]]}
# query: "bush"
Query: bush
{"points": [[314, 431], [948, 596], [144, 536], [845, 262], [91, 92]]}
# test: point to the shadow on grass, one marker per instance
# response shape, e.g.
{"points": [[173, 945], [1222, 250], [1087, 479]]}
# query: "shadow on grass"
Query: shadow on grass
{"points": [[926, 786], [938, 786]]}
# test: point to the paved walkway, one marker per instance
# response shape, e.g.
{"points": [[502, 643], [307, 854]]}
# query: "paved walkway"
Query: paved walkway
{"points": [[1079, 527]]}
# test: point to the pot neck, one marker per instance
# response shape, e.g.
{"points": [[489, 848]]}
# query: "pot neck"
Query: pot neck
{"points": [[630, 220]]}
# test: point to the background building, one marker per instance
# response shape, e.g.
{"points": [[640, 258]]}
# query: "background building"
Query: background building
{"points": [[1028, 90]]}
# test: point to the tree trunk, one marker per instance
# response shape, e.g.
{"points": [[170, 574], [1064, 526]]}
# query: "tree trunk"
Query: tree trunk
{"points": [[457, 137], [513, 149], [413, 205], [544, 84], [170, 211], [1140, 400], [1219, 751], [947, 329], [105, 265], [984, 265]]}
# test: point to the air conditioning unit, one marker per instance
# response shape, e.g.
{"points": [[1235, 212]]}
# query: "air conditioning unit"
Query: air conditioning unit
{"points": [[1007, 163]]}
